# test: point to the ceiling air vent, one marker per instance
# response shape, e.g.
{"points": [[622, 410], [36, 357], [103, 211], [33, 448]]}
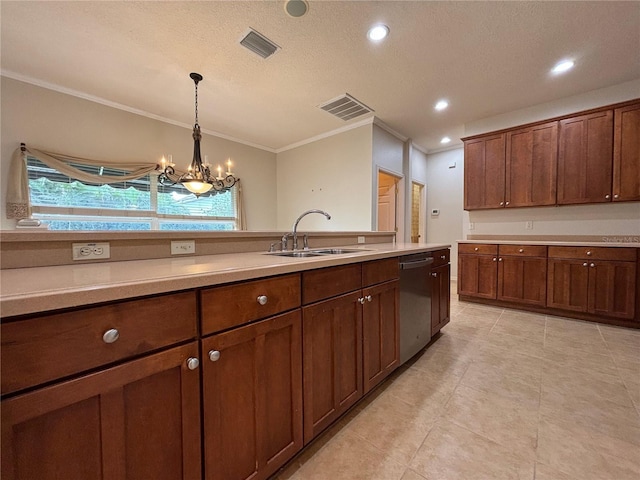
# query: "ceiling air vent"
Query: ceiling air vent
{"points": [[259, 44], [345, 107]]}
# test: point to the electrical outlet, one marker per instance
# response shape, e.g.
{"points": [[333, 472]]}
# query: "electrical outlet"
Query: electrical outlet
{"points": [[472, 226], [360, 239], [91, 251], [183, 247], [528, 225]]}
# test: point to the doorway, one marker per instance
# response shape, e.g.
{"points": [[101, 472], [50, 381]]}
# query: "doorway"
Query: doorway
{"points": [[387, 202], [417, 222]]}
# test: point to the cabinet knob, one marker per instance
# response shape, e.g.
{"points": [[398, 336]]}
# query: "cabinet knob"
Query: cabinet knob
{"points": [[501, 203], [361, 301], [110, 336], [443, 257], [507, 203], [589, 252], [193, 363], [214, 355], [521, 250], [434, 274], [500, 259], [592, 265], [368, 298], [584, 264], [494, 259], [607, 196], [616, 196], [262, 299], [475, 249]]}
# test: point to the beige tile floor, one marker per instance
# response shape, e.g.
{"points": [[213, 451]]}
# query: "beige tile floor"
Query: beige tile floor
{"points": [[502, 394]]}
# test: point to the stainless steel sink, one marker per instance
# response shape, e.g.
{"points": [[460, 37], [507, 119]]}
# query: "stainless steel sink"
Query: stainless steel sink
{"points": [[296, 254], [319, 252]]}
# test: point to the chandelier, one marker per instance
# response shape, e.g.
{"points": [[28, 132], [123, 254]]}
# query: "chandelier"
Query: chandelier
{"points": [[197, 179]]}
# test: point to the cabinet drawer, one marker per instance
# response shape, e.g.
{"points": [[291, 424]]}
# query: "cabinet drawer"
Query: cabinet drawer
{"points": [[479, 248], [232, 305], [523, 250], [330, 282], [441, 257], [380, 271], [49, 347], [621, 254]]}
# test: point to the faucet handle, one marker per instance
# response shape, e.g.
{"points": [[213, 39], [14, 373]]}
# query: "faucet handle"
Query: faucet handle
{"points": [[272, 247]]}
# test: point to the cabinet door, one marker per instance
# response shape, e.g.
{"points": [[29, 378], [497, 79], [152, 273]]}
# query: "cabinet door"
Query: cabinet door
{"points": [[612, 288], [440, 301], [567, 284], [522, 280], [380, 332], [585, 158], [531, 166], [484, 169], [332, 349], [139, 420], [477, 275], [626, 154], [252, 395]]}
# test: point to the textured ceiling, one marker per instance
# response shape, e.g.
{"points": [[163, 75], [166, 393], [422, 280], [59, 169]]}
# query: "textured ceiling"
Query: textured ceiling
{"points": [[487, 58]]}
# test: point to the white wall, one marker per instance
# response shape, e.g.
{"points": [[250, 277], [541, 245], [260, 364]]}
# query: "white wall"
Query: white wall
{"points": [[610, 219], [419, 174], [58, 122], [332, 174], [445, 192]]}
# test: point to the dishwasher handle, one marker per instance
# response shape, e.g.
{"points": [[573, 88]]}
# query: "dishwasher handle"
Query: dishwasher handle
{"points": [[416, 264]]}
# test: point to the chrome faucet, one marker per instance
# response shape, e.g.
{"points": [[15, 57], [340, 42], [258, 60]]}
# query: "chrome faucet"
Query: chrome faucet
{"points": [[295, 225]]}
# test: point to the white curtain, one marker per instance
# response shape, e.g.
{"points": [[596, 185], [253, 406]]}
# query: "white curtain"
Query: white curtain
{"points": [[18, 205]]}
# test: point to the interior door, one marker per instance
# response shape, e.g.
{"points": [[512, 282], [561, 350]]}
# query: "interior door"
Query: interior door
{"points": [[387, 202]]}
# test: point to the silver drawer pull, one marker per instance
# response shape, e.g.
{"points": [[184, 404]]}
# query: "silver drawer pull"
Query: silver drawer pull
{"points": [[500, 259], [433, 274], [494, 259], [592, 265], [361, 301], [193, 363], [589, 252], [616, 196], [368, 298], [584, 264], [214, 355], [443, 257], [607, 197], [110, 336], [475, 249], [521, 250], [262, 299]]}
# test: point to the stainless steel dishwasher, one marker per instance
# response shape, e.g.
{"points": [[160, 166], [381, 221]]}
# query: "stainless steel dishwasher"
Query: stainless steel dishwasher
{"points": [[415, 303]]}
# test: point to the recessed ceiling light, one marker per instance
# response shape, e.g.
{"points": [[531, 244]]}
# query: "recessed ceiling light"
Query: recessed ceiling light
{"points": [[445, 140], [378, 32], [563, 66], [441, 105]]}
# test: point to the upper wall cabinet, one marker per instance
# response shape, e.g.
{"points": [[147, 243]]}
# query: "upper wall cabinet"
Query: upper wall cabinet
{"points": [[626, 154], [591, 157], [484, 172], [531, 165], [585, 164]]}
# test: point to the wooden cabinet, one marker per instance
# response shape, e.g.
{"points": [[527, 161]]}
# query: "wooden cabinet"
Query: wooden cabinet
{"points": [[380, 332], [138, 420], [531, 166], [626, 153], [252, 398], [350, 337], [599, 281], [484, 172], [585, 158], [522, 274], [332, 359], [478, 270], [440, 290]]}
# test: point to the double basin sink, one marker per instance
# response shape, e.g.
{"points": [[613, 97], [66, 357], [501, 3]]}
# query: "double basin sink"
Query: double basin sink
{"points": [[318, 252]]}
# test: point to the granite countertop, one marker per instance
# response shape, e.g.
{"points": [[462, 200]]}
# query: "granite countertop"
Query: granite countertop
{"points": [[39, 289], [554, 243]]}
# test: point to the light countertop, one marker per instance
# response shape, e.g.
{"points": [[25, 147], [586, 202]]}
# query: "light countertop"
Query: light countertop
{"points": [[39, 289]]}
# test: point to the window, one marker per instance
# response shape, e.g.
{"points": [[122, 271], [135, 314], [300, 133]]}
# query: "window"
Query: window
{"points": [[141, 204]]}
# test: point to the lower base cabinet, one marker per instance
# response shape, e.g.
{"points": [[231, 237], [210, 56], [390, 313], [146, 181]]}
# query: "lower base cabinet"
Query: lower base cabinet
{"points": [[252, 398], [332, 346], [139, 420], [522, 279]]}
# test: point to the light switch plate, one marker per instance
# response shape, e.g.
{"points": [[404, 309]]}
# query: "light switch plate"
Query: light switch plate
{"points": [[183, 247]]}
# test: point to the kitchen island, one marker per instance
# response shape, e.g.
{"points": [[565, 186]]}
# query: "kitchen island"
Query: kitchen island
{"points": [[215, 366]]}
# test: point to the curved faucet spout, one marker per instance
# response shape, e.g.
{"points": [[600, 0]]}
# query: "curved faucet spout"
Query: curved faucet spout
{"points": [[295, 224]]}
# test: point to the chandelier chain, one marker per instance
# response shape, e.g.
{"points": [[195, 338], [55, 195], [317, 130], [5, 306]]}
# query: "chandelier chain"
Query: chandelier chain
{"points": [[196, 103]]}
